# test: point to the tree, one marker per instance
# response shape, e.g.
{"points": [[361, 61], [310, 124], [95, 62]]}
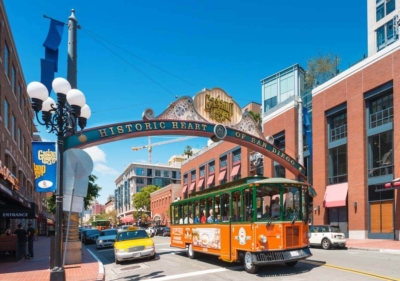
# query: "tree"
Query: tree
{"points": [[142, 198], [188, 151], [256, 117], [320, 69], [92, 194]]}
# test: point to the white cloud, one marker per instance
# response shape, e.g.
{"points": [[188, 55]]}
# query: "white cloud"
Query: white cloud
{"points": [[97, 155], [99, 160]]}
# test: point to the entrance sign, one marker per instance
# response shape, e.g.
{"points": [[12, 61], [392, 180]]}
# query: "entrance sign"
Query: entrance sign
{"points": [[44, 165], [193, 117]]}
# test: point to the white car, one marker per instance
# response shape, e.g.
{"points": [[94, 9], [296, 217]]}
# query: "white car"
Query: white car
{"points": [[106, 238], [150, 231], [326, 236]]}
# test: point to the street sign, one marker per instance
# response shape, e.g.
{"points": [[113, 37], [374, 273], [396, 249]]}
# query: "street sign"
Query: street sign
{"points": [[78, 165]]}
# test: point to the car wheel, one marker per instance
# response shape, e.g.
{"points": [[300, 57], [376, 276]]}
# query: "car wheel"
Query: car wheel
{"points": [[153, 257], [326, 244], [190, 253], [291, 263], [248, 264], [117, 261]]}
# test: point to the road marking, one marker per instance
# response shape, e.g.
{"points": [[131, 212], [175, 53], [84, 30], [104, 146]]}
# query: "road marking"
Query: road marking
{"points": [[373, 275], [101, 266], [105, 250], [196, 273]]}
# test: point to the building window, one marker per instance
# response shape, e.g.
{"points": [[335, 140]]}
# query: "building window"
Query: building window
{"points": [[236, 156], [202, 171], [6, 57], [13, 127], [223, 161], [338, 127], [185, 178], [270, 94], [140, 180], [193, 175], [158, 173], [19, 138], [381, 111], [279, 142], [380, 154], [384, 7], [211, 167], [385, 35], [166, 174], [139, 171], [19, 96], [13, 78], [337, 165], [6, 114], [158, 182]]}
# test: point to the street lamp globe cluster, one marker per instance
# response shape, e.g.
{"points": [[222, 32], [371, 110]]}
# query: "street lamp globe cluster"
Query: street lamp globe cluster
{"points": [[62, 118]]}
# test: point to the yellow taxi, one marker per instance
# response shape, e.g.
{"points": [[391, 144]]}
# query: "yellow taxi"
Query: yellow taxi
{"points": [[133, 243]]}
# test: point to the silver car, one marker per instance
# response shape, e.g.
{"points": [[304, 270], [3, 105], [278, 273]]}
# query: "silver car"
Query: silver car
{"points": [[106, 238]]}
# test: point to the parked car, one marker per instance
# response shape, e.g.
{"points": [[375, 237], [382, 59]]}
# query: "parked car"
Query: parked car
{"points": [[124, 227], [133, 244], [166, 231], [89, 236], [326, 236], [106, 238], [159, 230]]}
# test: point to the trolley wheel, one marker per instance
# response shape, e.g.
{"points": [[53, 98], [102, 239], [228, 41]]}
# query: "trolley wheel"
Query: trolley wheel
{"points": [[291, 263], [248, 263], [190, 253], [326, 244]]}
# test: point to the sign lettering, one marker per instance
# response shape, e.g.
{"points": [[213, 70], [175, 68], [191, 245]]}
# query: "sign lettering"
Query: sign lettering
{"points": [[219, 110]]}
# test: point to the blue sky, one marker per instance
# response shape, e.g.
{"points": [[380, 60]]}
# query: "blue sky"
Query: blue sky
{"points": [[204, 44]]}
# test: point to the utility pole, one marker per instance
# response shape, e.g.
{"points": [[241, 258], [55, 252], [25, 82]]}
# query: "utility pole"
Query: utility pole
{"points": [[300, 144], [72, 50]]}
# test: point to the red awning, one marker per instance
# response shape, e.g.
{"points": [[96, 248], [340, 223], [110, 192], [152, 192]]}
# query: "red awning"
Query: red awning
{"points": [[222, 175], [184, 188], [235, 170], [335, 195], [192, 186], [127, 219], [395, 184], [210, 179], [201, 181]]}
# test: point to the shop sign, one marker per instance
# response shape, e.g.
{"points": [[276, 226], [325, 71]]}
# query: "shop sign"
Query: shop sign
{"points": [[44, 166], [8, 176]]}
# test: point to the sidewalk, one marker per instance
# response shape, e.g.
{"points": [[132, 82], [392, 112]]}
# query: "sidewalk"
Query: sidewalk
{"points": [[37, 269], [389, 246]]}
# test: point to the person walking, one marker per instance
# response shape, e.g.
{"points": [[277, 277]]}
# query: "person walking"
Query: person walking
{"points": [[31, 237], [21, 235]]}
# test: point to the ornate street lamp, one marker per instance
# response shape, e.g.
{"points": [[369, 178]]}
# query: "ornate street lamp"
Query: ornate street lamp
{"points": [[60, 117], [141, 210]]}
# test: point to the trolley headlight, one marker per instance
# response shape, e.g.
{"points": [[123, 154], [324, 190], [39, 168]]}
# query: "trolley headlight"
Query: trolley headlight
{"points": [[262, 238]]}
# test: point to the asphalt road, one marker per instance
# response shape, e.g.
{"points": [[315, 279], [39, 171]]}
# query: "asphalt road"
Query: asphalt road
{"points": [[173, 264]]}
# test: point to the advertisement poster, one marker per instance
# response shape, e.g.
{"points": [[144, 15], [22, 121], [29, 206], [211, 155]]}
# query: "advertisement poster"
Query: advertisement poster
{"points": [[44, 165], [207, 238]]}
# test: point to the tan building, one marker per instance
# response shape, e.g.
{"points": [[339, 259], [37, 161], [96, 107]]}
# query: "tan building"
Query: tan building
{"points": [[109, 206]]}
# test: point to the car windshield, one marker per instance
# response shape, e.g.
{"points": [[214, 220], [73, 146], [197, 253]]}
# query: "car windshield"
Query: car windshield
{"points": [[335, 228], [132, 235], [108, 232]]}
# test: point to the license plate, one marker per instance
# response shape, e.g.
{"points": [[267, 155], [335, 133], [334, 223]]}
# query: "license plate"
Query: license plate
{"points": [[136, 255], [294, 253]]}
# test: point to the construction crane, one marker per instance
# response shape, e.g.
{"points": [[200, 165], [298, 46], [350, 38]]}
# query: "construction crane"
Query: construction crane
{"points": [[150, 145]]}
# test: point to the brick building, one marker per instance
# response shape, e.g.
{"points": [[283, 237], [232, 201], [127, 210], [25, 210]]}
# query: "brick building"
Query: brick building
{"points": [[160, 202], [17, 191]]}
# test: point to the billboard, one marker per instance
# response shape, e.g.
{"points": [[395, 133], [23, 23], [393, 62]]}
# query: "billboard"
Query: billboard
{"points": [[44, 165]]}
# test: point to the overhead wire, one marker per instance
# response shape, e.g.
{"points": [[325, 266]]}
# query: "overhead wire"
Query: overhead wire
{"points": [[136, 56], [127, 62]]}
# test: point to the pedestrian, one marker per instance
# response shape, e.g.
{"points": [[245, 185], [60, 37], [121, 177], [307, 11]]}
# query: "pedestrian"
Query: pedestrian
{"points": [[31, 237], [21, 235]]}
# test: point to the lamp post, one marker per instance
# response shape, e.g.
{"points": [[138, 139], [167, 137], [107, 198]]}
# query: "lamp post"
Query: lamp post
{"points": [[59, 117], [141, 210]]}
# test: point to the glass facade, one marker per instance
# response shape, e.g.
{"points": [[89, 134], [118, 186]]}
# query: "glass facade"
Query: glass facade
{"points": [[338, 164], [139, 171], [380, 154]]}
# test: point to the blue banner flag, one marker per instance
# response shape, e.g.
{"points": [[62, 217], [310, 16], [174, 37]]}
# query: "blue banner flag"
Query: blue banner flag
{"points": [[47, 73], [44, 165], [54, 36]]}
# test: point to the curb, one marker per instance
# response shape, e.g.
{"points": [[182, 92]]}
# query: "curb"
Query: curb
{"points": [[100, 276], [385, 251]]}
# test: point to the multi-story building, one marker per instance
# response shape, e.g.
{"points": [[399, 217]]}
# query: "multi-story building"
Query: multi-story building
{"points": [[383, 18], [137, 176], [97, 208], [109, 206], [17, 130], [160, 202]]}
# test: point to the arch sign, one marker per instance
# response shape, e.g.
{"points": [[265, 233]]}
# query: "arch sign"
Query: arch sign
{"points": [[211, 113]]}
